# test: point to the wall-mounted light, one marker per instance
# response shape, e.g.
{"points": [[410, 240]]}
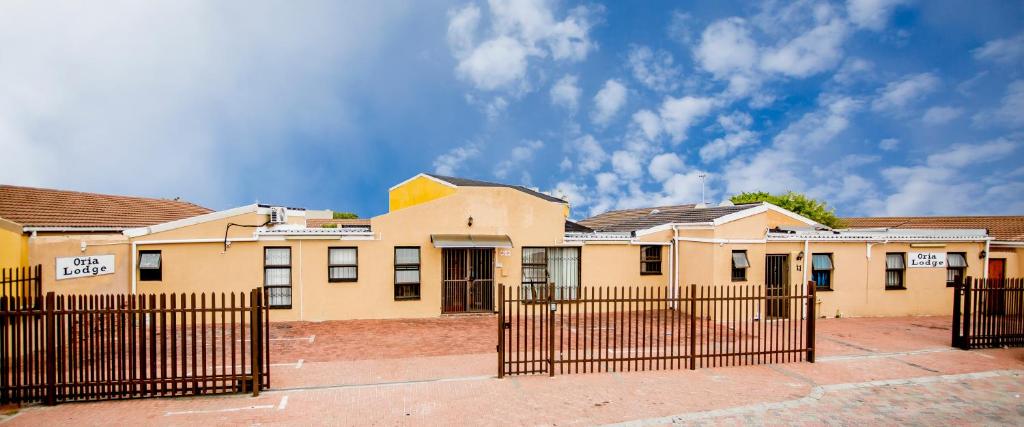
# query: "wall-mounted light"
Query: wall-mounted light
{"points": [[800, 256], [470, 222], [982, 254]]}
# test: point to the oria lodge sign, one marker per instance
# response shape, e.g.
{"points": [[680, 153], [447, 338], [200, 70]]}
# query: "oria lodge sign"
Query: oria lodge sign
{"points": [[927, 259], [84, 266]]}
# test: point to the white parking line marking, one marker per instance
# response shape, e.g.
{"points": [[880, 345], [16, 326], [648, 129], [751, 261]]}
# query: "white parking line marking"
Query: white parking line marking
{"points": [[213, 411], [283, 404], [299, 363]]}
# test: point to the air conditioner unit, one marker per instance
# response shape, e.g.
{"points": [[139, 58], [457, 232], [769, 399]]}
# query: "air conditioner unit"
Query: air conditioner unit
{"points": [[278, 215]]}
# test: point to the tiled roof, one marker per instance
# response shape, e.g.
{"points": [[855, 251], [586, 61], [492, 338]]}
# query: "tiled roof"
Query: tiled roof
{"points": [[463, 182], [643, 218], [340, 223], [1006, 228], [39, 207], [878, 234], [574, 227]]}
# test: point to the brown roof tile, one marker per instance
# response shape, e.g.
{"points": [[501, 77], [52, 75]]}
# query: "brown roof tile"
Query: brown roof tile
{"points": [[350, 222], [40, 207], [1008, 228], [642, 218]]}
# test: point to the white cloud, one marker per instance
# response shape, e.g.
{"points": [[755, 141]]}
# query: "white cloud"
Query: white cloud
{"points": [[781, 167], [450, 162], [940, 115], [726, 145], [648, 122], [871, 14], [462, 28], [1010, 112], [519, 156], [565, 93], [173, 92], [627, 164], [521, 29], [810, 53], [589, 154], [678, 114], [943, 177], [899, 94], [726, 47], [574, 193], [1008, 50], [889, 144], [853, 70], [496, 63], [607, 182], [655, 70], [663, 166], [608, 101]]}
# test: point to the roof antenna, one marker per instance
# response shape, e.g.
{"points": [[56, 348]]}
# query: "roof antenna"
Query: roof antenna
{"points": [[702, 176]]}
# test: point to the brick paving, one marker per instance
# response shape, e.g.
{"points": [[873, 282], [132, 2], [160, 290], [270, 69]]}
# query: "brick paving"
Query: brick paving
{"points": [[441, 372]]}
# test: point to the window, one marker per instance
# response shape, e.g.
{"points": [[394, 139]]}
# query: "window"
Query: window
{"points": [[407, 273], [277, 276], [956, 264], [821, 271], [650, 260], [342, 264], [150, 266], [558, 265], [739, 266], [895, 265]]}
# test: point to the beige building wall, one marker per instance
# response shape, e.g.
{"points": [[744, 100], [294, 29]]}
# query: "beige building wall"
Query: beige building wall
{"points": [[45, 249]]}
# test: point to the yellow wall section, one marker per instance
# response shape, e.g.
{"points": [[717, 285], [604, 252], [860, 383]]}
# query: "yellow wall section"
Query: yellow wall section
{"points": [[418, 190], [13, 245]]}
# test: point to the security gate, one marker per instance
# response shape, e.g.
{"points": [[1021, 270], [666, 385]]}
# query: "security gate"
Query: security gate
{"points": [[468, 285], [776, 274]]}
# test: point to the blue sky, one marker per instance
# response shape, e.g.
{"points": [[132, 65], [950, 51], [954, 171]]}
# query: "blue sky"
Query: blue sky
{"points": [[876, 106]]}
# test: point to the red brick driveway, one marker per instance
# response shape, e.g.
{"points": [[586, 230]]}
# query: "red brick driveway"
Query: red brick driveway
{"points": [[441, 371]]}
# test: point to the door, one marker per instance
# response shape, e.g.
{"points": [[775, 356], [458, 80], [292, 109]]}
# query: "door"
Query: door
{"points": [[468, 283], [996, 276], [776, 274]]}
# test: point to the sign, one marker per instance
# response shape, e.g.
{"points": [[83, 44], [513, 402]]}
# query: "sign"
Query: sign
{"points": [[84, 266], [926, 259]]}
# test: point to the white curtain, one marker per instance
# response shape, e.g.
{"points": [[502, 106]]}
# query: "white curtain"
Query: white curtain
{"points": [[407, 256], [278, 256], [563, 270], [343, 272], [407, 276], [278, 276], [342, 256]]}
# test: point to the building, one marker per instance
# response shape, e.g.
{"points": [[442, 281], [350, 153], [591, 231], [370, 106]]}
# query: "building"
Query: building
{"points": [[448, 244], [49, 227]]}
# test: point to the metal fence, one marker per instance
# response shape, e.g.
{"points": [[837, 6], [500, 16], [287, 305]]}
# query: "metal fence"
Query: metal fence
{"points": [[616, 329], [988, 313], [95, 347], [22, 282]]}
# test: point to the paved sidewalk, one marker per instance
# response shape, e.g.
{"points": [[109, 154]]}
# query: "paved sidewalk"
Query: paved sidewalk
{"points": [[878, 371]]}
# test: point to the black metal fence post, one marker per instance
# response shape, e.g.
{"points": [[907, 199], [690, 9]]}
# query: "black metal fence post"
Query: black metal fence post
{"points": [[957, 289], [501, 331], [965, 337], [51, 350], [811, 318]]}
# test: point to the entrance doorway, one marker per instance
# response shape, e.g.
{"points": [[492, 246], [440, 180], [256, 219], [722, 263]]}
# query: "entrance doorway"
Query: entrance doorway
{"points": [[996, 280], [776, 274], [468, 282]]}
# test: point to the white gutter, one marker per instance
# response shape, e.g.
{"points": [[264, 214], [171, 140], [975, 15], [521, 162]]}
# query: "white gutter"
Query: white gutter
{"points": [[68, 229], [807, 254], [675, 259], [720, 241], [1008, 244]]}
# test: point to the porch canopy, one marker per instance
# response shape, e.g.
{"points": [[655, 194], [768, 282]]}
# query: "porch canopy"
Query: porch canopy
{"points": [[471, 241]]}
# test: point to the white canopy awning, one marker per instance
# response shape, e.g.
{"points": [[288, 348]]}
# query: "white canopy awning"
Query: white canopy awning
{"points": [[470, 241]]}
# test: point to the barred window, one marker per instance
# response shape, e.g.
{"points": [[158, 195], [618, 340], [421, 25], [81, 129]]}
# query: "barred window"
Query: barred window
{"points": [[277, 276], [650, 259], [558, 265], [956, 266], [895, 267]]}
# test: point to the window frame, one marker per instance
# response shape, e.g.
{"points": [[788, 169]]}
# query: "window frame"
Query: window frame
{"points": [[734, 269], [291, 277], [814, 272], [408, 267], [962, 270], [547, 273], [646, 261], [159, 275], [329, 265], [902, 272]]}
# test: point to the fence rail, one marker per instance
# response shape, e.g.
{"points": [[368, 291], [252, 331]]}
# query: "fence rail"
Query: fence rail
{"points": [[602, 329], [67, 348], [988, 313]]}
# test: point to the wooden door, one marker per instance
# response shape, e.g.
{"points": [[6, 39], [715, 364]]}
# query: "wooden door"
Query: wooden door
{"points": [[996, 280]]}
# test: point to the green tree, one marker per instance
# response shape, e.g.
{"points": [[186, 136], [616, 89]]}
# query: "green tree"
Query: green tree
{"points": [[345, 215], [794, 202]]}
